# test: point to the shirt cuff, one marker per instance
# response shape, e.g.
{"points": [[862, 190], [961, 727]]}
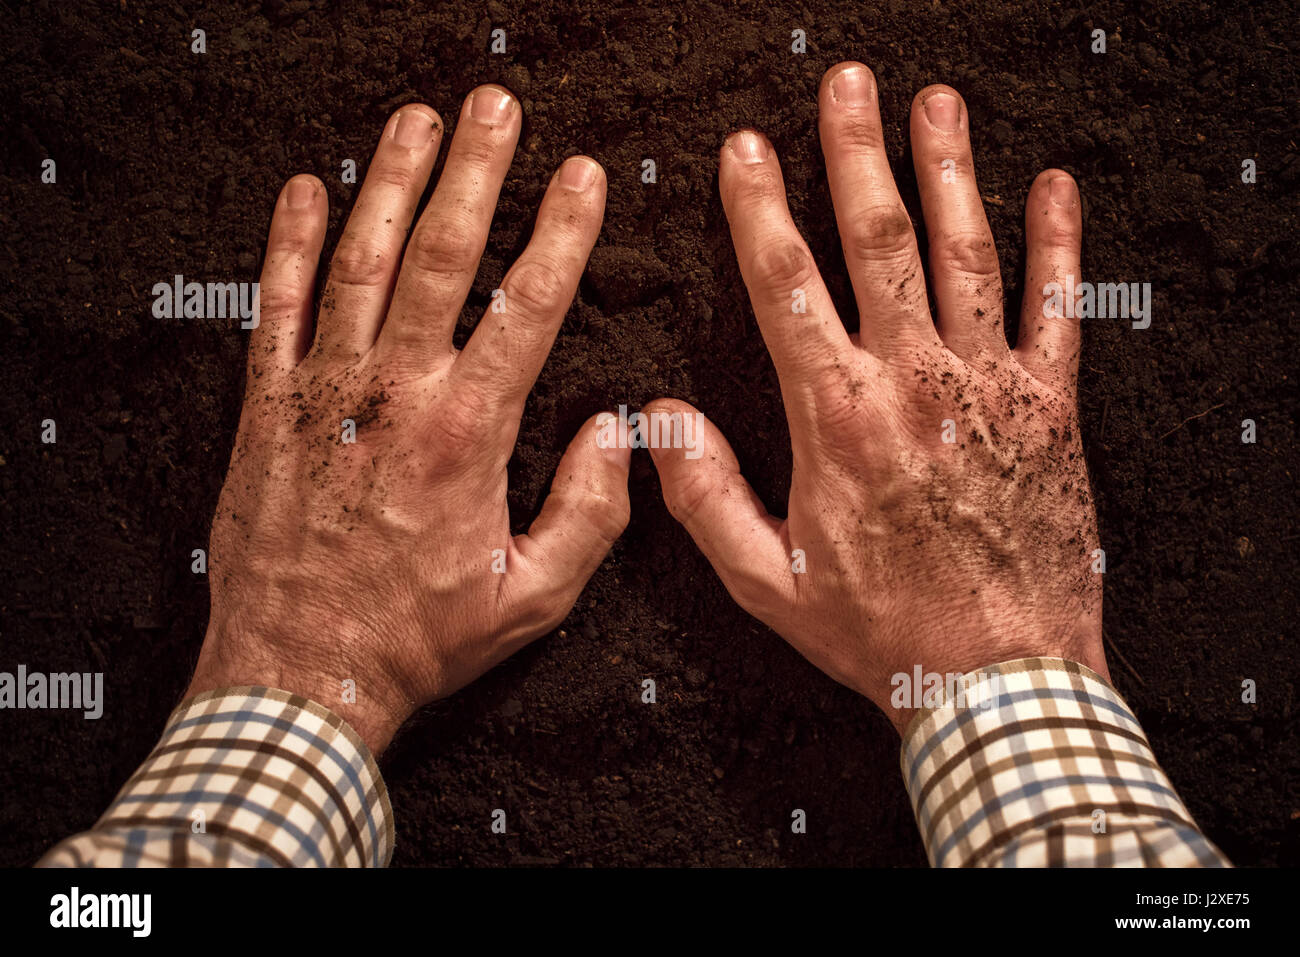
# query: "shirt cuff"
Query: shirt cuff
{"points": [[246, 776], [1039, 762]]}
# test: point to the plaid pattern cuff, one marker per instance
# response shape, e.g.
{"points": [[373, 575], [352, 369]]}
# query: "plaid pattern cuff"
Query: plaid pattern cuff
{"points": [[245, 777], [1039, 762]]}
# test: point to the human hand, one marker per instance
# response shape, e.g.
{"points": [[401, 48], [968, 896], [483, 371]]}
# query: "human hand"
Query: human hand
{"points": [[947, 555], [389, 560]]}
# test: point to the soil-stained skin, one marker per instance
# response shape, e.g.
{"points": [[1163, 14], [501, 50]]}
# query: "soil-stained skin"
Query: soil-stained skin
{"points": [[170, 163], [944, 507]]}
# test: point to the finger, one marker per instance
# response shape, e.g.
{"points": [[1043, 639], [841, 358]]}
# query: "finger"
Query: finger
{"points": [[1049, 335], [963, 260], [704, 490], [443, 255], [875, 228], [366, 259], [795, 314], [585, 512], [508, 349], [288, 282]]}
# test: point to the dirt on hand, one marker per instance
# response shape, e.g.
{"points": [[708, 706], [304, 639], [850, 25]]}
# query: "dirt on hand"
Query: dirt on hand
{"points": [[168, 162]]}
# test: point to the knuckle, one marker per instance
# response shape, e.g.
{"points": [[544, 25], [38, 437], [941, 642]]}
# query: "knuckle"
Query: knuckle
{"points": [[1062, 231], [399, 175], [861, 133], [605, 515], [760, 185], [963, 163], [445, 248], [608, 516], [280, 300], [783, 264], [360, 262], [478, 151], [839, 415], [883, 231], [290, 244], [534, 288], [457, 430], [968, 252], [688, 494]]}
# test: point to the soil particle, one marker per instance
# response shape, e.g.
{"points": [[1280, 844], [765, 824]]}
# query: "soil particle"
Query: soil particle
{"points": [[168, 163]]}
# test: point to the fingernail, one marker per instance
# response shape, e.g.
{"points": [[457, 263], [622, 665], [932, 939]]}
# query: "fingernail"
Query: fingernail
{"points": [[620, 453], [852, 87], [490, 105], [943, 111], [301, 193], [1062, 191], [749, 147], [414, 129], [578, 173], [612, 438]]}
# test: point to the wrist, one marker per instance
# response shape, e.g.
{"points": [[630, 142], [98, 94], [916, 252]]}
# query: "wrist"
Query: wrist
{"points": [[974, 687], [375, 708], [938, 663]]}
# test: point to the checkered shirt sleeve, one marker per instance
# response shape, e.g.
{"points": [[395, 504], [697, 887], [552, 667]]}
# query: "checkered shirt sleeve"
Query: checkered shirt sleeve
{"points": [[1039, 762], [250, 777]]}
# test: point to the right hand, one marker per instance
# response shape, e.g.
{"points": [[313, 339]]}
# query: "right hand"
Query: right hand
{"points": [[951, 556]]}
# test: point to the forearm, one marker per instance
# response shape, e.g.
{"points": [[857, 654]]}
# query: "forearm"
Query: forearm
{"points": [[1043, 764]]}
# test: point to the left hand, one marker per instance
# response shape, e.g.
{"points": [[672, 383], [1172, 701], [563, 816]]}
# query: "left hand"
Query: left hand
{"points": [[388, 560]]}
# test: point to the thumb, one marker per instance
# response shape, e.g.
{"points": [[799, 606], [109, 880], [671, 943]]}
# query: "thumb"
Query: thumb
{"points": [[584, 514], [704, 490]]}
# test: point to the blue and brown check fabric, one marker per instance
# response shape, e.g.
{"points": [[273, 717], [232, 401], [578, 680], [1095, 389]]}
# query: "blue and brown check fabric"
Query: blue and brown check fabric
{"points": [[1035, 762], [245, 777]]}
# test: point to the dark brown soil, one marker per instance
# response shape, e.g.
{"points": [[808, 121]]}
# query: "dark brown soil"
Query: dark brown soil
{"points": [[168, 163]]}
